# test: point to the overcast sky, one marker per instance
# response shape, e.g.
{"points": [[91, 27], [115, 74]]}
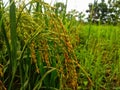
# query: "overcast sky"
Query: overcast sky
{"points": [[79, 5]]}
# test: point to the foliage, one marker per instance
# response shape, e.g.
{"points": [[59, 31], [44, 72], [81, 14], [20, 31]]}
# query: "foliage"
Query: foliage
{"points": [[60, 10], [105, 13]]}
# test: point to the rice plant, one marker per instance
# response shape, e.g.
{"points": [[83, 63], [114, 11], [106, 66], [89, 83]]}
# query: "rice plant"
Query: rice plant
{"points": [[38, 50], [42, 50]]}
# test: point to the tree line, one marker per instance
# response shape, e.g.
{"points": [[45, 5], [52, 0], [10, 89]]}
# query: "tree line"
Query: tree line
{"points": [[98, 12]]}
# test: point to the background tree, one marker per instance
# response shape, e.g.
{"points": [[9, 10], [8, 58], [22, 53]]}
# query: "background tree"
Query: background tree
{"points": [[114, 11], [60, 10], [103, 12], [73, 15]]}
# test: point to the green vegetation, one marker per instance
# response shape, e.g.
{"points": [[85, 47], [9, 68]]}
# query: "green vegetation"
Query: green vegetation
{"points": [[45, 49], [104, 12]]}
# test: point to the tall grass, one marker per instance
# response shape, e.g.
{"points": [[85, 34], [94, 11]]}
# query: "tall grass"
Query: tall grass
{"points": [[101, 56], [42, 50]]}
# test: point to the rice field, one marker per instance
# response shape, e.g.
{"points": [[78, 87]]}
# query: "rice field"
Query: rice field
{"points": [[40, 50]]}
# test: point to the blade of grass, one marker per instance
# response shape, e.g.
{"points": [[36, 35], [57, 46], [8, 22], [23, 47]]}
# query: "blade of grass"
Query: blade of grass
{"points": [[13, 58]]}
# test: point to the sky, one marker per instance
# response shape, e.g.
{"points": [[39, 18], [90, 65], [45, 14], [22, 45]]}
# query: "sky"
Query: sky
{"points": [[79, 5]]}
